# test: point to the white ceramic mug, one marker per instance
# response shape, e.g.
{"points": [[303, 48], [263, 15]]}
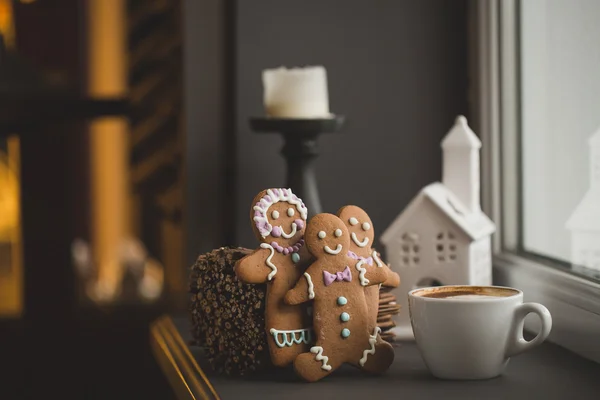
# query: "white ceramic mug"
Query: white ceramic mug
{"points": [[470, 332]]}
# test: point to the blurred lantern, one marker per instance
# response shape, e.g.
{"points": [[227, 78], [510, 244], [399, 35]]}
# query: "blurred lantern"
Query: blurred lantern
{"points": [[30, 103], [29, 99]]}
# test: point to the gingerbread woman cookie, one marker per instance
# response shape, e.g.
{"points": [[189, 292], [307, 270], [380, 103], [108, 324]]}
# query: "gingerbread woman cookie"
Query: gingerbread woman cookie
{"points": [[279, 219], [336, 284], [362, 235]]}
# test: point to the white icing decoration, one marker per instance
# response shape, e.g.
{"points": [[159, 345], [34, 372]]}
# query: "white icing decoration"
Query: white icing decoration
{"points": [[275, 214], [362, 271], [321, 234], [372, 340], [353, 221], [282, 195], [377, 260], [334, 252], [318, 350], [338, 233], [311, 287], [366, 226], [304, 336], [358, 242], [290, 212], [269, 263], [292, 233]]}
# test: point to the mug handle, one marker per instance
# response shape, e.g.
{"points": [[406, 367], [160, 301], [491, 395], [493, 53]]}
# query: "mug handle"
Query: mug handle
{"points": [[517, 343]]}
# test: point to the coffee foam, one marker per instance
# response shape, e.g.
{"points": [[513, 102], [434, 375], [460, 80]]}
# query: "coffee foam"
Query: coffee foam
{"points": [[466, 296], [465, 292]]}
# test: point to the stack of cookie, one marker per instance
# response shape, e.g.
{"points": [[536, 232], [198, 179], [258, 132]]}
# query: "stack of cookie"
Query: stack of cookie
{"points": [[387, 309], [313, 287]]}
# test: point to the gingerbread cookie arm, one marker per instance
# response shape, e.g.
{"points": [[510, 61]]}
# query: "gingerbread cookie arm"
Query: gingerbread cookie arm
{"points": [[255, 268], [303, 291], [393, 279], [369, 276]]}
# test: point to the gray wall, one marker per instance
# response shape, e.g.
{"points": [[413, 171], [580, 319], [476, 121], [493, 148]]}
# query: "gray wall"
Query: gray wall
{"points": [[206, 92], [396, 69]]}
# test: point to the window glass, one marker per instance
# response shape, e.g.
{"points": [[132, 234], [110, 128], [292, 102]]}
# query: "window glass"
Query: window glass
{"points": [[560, 132]]}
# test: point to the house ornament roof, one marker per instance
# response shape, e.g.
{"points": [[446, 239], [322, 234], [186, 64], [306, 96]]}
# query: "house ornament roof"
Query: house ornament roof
{"points": [[475, 225], [461, 135]]}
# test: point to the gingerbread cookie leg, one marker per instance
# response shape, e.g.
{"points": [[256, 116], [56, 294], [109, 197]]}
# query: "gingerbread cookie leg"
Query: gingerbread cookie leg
{"points": [[378, 355], [315, 365], [287, 344]]}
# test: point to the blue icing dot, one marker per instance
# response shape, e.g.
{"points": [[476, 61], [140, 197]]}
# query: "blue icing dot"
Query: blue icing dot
{"points": [[345, 317], [342, 301], [345, 332], [295, 257]]}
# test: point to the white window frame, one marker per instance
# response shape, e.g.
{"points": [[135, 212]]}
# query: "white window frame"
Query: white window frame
{"points": [[574, 302]]}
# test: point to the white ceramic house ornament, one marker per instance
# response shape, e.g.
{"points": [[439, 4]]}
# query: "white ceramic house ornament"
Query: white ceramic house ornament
{"points": [[584, 223], [442, 237]]}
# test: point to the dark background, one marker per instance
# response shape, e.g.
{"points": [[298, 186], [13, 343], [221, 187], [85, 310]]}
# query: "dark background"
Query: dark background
{"points": [[396, 69]]}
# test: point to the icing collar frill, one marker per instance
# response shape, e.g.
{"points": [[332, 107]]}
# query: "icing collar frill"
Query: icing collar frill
{"points": [[290, 249]]}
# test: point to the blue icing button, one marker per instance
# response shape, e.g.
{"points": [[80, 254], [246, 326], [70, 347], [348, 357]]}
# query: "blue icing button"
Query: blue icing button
{"points": [[345, 317], [342, 301], [345, 332], [295, 257]]}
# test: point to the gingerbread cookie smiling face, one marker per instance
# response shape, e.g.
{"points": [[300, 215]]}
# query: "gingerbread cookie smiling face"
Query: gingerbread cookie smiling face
{"points": [[280, 215], [361, 229], [336, 283], [279, 220], [329, 240]]}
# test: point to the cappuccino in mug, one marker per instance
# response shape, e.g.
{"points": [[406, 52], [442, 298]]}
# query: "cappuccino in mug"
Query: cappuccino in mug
{"points": [[465, 292], [462, 296], [470, 332]]}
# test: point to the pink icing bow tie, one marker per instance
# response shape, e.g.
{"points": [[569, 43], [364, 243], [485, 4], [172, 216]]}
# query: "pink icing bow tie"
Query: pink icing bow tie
{"points": [[345, 275], [355, 256]]}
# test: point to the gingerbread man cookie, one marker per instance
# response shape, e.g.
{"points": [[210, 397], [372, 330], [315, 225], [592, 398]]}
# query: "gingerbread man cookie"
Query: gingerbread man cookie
{"points": [[362, 235], [336, 284], [279, 219]]}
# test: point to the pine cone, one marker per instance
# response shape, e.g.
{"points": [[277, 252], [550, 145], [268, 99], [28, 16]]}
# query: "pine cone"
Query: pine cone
{"points": [[228, 319]]}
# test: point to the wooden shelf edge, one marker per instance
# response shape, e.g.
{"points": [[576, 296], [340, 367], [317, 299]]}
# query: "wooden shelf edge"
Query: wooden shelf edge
{"points": [[179, 366]]}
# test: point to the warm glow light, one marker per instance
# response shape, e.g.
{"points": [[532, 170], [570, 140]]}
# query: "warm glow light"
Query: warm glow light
{"points": [[7, 26], [11, 279], [108, 77], [9, 201]]}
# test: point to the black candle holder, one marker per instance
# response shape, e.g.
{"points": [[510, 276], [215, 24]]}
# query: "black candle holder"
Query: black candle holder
{"points": [[300, 151]]}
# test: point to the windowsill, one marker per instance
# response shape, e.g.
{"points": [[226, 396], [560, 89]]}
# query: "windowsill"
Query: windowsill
{"points": [[562, 266], [547, 371], [574, 302]]}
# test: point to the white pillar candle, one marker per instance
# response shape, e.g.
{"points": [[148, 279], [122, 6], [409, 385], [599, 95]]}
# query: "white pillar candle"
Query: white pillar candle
{"points": [[296, 92]]}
